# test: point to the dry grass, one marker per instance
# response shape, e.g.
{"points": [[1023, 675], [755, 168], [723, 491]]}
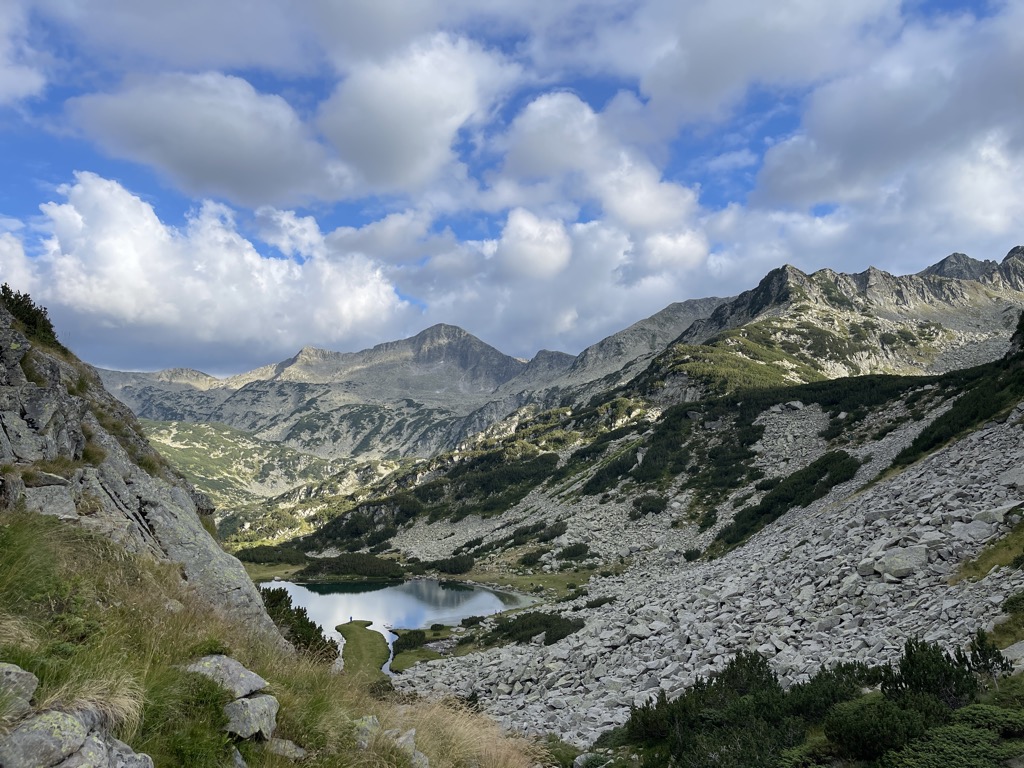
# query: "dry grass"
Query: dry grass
{"points": [[17, 632], [117, 696], [454, 737]]}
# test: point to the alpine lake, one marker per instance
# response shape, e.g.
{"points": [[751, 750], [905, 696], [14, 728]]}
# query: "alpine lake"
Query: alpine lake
{"points": [[415, 604]]}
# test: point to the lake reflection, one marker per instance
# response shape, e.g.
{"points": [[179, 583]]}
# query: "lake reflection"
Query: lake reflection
{"points": [[407, 605]]}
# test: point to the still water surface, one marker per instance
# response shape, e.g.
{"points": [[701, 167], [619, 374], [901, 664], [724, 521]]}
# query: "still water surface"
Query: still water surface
{"points": [[410, 605]]}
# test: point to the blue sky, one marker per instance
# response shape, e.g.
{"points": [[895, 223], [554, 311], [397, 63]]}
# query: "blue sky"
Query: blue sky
{"points": [[216, 185]]}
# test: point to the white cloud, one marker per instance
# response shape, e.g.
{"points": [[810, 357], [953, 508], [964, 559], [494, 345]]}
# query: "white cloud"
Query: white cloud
{"points": [[266, 34], [214, 134], [111, 266], [402, 237], [20, 75], [941, 87], [532, 247], [397, 122]]}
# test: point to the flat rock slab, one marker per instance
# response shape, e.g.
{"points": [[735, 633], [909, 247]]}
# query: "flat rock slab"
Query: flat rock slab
{"points": [[20, 686], [247, 717], [51, 500], [228, 674]]}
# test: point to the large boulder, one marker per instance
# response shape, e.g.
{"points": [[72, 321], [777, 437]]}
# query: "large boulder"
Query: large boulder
{"points": [[228, 674], [902, 561], [251, 716]]}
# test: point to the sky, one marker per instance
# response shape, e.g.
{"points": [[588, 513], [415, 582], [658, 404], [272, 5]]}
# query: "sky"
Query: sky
{"points": [[218, 184]]}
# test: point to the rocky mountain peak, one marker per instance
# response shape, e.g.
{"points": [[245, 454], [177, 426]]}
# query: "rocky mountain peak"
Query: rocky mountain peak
{"points": [[960, 266]]}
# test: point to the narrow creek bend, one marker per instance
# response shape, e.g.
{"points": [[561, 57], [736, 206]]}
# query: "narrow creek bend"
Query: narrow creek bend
{"points": [[415, 604]]}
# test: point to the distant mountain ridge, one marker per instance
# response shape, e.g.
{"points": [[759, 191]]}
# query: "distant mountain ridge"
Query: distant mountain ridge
{"points": [[410, 397], [428, 393]]}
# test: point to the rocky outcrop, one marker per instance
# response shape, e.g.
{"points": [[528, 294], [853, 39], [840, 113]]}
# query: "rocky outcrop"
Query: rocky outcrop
{"points": [[72, 451], [41, 739]]}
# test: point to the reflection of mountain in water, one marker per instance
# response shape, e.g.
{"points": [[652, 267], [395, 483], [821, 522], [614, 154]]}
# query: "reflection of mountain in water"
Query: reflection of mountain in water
{"points": [[350, 588], [438, 594]]}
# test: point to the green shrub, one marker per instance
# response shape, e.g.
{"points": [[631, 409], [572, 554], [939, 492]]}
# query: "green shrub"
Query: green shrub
{"points": [[798, 490], [270, 554], [578, 551], [953, 745], [34, 319], [453, 565], [532, 558], [691, 554], [410, 640], [925, 668], [1015, 602], [296, 625], [525, 626], [867, 728], [648, 505], [812, 700], [351, 564], [1008, 723]]}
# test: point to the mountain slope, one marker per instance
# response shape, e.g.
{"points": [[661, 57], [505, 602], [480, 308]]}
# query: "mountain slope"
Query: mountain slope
{"points": [[795, 327]]}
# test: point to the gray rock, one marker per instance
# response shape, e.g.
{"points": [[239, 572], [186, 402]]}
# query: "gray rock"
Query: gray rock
{"points": [[287, 749], [20, 686], [976, 530], [903, 561], [1015, 653], [365, 727], [251, 716], [94, 753], [123, 756], [52, 500], [229, 674], [43, 740]]}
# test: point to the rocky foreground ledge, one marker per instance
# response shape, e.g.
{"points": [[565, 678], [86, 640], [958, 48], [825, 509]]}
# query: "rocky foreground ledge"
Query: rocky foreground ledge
{"points": [[845, 579]]}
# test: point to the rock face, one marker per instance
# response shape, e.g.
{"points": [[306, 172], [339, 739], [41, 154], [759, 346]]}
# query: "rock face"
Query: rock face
{"points": [[54, 411]]}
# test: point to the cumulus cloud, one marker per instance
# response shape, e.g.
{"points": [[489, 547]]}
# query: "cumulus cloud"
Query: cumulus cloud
{"points": [[397, 121], [214, 134], [562, 134], [532, 247], [110, 265], [941, 87]]}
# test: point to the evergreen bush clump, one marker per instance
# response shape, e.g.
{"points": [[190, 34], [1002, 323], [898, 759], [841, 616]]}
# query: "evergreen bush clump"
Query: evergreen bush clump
{"points": [[34, 319], [578, 551], [525, 626], [532, 558], [351, 564], [296, 625], [410, 640], [647, 505], [867, 728], [453, 565]]}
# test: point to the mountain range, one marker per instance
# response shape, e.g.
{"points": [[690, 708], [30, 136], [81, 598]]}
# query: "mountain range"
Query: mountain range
{"points": [[429, 393]]}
